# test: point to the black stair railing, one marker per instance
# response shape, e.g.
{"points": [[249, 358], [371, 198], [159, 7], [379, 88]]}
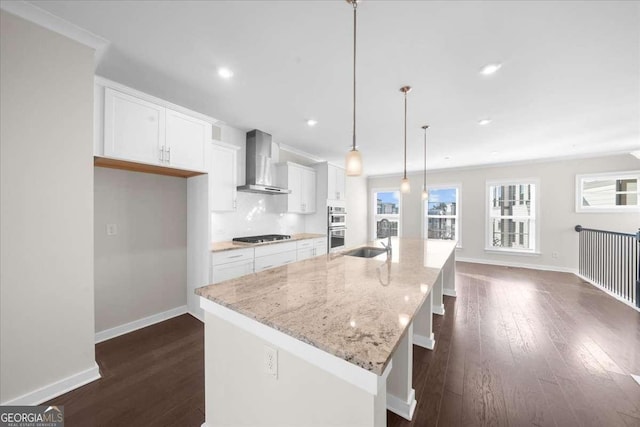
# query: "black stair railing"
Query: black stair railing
{"points": [[611, 260]]}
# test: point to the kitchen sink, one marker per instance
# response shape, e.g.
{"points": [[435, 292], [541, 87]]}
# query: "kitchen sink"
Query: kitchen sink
{"points": [[365, 252]]}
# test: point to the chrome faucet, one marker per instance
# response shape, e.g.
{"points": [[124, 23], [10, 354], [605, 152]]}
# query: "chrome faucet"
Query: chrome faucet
{"points": [[386, 227]]}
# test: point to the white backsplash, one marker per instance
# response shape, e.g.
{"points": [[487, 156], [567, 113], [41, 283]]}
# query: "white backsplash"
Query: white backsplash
{"points": [[255, 214]]}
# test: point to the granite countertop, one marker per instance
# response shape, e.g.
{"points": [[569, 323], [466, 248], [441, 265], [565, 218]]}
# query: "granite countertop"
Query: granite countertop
{"points": [[230, 245], [357, 309]]}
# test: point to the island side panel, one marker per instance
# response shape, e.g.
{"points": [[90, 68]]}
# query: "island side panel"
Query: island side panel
{"points": [[239, 392], [449, 275]]}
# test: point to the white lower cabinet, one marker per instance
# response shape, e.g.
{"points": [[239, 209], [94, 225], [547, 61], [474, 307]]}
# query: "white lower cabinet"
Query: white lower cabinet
{"points": [[271, 256], [274, 260], [305, 249], [311, 247], [227, 265], [220, 273], [319, 246]]}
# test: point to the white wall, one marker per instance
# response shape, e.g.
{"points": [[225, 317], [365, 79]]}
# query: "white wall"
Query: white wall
{"points": [[557, 207], [46, 291], [142, 269], [356, 189]]}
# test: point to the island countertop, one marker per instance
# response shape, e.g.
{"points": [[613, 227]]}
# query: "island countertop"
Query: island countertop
{"points": [[357, 309]]}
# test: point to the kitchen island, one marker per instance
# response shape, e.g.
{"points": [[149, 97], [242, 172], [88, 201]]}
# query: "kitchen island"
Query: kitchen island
{"points": [[324, 341]]}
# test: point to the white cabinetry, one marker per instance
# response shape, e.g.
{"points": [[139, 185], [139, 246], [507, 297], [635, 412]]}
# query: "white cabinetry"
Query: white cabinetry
{"points": [[227, 265], [319, 246], [133, 128], [335, 183], [223, 177], [185, 140], [301, 180], [305, 249], [138, 130], [309, 248], [275, 255]]}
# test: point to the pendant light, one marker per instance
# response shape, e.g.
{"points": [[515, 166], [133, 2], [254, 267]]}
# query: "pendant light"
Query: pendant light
{"points": [[424, 184], [353, 161], [405, 187]]}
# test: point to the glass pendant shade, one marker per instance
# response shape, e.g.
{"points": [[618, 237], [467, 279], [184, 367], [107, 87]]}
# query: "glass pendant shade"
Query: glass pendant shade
{"points": [[353, 162], [424, 194], [405, 187]]}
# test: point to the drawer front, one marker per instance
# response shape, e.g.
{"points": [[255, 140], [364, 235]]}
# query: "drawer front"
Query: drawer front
{"points": [[231, 270], [308, 243], [305, 253], [275, 248], [274, 260], [320, 246], [233, 255]]}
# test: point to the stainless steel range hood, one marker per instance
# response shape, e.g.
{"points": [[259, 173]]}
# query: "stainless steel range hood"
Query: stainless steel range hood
{"points": [[260, 176]]}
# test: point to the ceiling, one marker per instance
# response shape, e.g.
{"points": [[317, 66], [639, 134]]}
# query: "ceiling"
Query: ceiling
{"points": [[569, 84]]}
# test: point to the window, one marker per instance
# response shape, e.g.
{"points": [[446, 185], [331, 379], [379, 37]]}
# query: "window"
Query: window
{"points": [[512, 216], [387, 206], [608, 192], [442, 213]]}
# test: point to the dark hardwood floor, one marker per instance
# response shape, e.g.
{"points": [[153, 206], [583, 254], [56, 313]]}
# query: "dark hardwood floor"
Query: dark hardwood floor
{"points": [[516, 347], [150, 377]]}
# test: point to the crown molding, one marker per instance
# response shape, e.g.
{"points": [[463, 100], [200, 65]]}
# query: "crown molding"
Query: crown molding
{"points": [[45, 19], [299, 152]]}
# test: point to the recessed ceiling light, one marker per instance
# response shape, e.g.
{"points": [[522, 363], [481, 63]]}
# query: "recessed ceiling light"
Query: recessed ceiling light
{"points": [[447, 157], [490, 69], [484, 122], [312, 122], [225, 73]]}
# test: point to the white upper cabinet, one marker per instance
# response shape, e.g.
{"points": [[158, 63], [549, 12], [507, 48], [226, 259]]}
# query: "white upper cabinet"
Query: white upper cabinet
{"points": [[335, 183], [223, 177], [134, 129], [301, 180], [185, 140], [143, 129]]}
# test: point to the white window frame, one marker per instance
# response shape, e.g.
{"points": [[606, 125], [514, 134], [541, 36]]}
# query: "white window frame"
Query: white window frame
{"points": [[611, 208], [374, 210], [535, 236], [457, 217]]}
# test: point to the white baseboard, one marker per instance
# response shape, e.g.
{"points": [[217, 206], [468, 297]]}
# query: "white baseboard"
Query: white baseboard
{"points": [[517, 264], [424, 342], [197, 315], [400, 407], [606, 291], [57, 388], [107, 334], [449, 292], [438, 309]]}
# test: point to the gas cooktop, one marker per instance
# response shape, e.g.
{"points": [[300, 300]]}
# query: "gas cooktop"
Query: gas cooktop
{"points": [[262, 239]]}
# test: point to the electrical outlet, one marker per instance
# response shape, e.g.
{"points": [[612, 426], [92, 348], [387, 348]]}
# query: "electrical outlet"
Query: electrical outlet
{"points": [[554, 255], [112, 229], [271, 361]]}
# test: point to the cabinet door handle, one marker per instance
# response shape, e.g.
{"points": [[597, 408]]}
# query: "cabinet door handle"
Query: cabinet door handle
{"points": [[267, 266], [235, 203], [235, 256], [168, 154], [161, 155]]}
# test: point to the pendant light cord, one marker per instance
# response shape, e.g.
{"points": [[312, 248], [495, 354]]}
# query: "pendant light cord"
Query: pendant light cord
{"points": [[355, 6], [405, 135], [425, 159]]}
